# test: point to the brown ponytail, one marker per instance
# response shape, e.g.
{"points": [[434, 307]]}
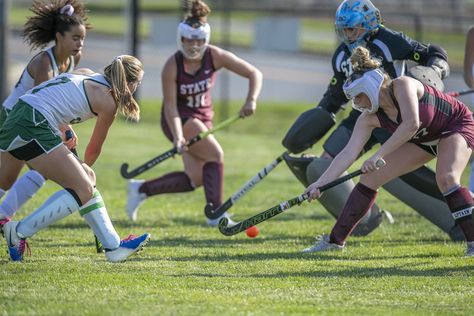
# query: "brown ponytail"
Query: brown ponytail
{"points": [[196, 12]]}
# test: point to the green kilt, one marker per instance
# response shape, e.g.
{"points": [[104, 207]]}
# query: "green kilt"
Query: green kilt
{"points": [[26, 133]]}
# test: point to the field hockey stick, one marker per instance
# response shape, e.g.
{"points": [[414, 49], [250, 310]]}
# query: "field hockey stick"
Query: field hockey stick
{"points": [[459, 93], [213, 214], [280, 208], [173, 151], [98, 245]]}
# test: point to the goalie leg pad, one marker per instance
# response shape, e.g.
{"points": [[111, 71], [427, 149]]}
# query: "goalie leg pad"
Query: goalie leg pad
{"points": [[341, 135], [434, 210], [308, 128], [298, 166], [424, 180]]}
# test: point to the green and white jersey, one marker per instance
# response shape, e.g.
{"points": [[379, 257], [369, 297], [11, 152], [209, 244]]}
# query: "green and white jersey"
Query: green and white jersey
{"points": [[26, 82], [63, 100]]}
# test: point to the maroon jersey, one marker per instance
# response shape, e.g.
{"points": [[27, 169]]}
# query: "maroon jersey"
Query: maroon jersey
{"points": [[440, 115], [194, 91]]}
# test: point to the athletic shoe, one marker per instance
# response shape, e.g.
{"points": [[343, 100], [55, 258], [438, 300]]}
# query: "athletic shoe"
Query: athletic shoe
{"points": [[470, 249], [3, 221], [128, 246], [323, 244], [16, 245], [134, 198], [215, 222]]}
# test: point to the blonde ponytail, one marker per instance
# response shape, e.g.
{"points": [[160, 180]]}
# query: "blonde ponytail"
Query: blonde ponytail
{"points": [[361, 60], [123, 70]]}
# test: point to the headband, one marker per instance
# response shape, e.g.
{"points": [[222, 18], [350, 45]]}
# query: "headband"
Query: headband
{"points": [[187, 31]]}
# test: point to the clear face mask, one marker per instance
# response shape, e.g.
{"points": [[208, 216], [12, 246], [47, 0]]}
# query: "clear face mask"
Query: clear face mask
{"points": [[193, 48], [192, 42]]}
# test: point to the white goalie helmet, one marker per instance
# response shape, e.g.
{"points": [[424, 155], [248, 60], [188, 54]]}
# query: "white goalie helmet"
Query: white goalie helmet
{"points": [[368, 83], [203, 32]]}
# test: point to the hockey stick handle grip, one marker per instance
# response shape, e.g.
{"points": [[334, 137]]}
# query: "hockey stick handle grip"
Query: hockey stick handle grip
{"points": [[69, 135]]}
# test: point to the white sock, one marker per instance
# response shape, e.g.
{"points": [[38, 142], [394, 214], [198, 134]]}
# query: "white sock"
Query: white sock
{"points": [[22, 190], [58, 206], [95, 214]]}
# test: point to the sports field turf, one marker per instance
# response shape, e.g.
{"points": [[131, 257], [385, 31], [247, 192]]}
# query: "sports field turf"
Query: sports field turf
{"points": [[408, 268]]}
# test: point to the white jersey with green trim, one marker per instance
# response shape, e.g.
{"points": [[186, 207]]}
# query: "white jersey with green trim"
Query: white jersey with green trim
{"points": [[63, 100], [26, 82]]}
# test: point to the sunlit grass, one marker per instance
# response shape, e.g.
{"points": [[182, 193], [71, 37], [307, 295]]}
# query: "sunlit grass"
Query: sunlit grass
{"points": [[409, 268]]}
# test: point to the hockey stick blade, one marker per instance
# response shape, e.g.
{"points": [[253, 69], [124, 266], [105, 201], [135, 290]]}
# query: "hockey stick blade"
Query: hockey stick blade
{"points": [[280, 208], [173, 151], [213, 214]]}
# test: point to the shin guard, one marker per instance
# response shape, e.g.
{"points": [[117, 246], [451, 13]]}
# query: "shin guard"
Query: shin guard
{"points": [[58, 206], [213, 182], [173, 182], [96, 216], [461, 204], [358, 204]]}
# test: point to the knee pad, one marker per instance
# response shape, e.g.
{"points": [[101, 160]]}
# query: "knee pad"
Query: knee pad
{"points": [[308, 128], [426, 75], [338, 139]]}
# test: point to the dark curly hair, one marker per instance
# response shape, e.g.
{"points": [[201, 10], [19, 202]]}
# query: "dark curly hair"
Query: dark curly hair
{"points": [[51, 17]]}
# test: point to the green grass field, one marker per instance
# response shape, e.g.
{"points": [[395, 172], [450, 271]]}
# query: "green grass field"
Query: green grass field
{"points": [[408, 268]]}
